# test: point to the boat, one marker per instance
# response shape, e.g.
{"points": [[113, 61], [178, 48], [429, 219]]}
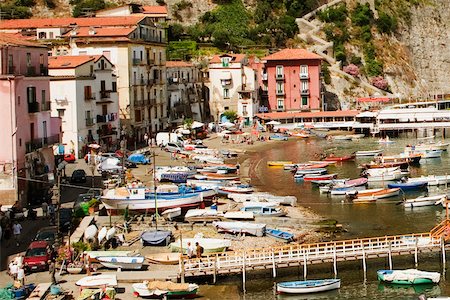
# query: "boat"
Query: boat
{"points": [[277, 137], [90, 232], [299, 134], [308, 166], [428, 146], [209, 245], [122, 262], [239, 215], [256, 229], [102, 234], [385, 176], [278, 163], [262, 211], [156, 238], [375, 194], [261, 203], [308, 286], [242, 188], [348, 185], [411, 159], [311, 171], [368, 153], [427, 154], [403, 165], [172, 213], [264, 197], [283, 236], [203, 215], [432, 180], [340, 158], [409, 276], [342, 137], [164, 258], [165, 289], [313, 177], [424, 201], [110, 233], [409, 186], [385, 140], [97, 281]]}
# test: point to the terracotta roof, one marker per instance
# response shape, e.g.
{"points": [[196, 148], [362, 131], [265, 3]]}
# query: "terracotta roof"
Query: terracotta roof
{"points": [[234, 58], [179, 64], [155, 9], [289, 115], [66, 22], [292, 54], [102, 31], [17, 40], [69, 61]]}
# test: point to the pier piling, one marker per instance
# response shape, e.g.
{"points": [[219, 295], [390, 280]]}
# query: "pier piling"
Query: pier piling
{"points": [[334, 261], [304, 265], [416, 258], [243, 272], [390, 255]]}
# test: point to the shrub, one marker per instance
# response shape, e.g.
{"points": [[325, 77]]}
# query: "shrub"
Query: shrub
{"points": [[356, 60], [50, 4], [334, 14], [161, 2], [386, 23], [379, 82], [26, 3], [374, 67], [326, 73], [351, 69], [231, 115], [362, 15]]}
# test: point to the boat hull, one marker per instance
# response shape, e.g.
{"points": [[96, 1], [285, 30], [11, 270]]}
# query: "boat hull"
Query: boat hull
{"points": [[408, 277], [122, 262], [308, 286], [149, 204], [142, 290]]}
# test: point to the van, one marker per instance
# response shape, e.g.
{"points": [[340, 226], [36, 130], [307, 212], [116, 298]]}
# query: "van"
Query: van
{"points": [[163, 138]]}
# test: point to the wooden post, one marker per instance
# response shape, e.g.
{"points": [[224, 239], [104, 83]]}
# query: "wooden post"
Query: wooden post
{"points": [[334, 261], [390, 255], [416, 254], [182, 268], [215, 269], [443, 252], [243, 271], [304, 265], [364, 260], [274, 270]]}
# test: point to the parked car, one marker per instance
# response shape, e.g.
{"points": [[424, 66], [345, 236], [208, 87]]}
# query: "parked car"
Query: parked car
{"points": [[47, 234], [78, 175], [173, 147], [37, 256], [70, 158]]}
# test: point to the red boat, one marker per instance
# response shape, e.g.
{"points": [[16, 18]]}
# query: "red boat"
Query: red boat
{"points": [[340, 158], [319, 177], [402, 165], [309, 167]]}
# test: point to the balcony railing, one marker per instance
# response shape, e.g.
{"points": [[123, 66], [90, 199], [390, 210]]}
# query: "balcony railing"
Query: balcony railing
{"points": [[31, 71], [41, 142], [45, 106], [304, 75], [136, 61], [89, 121], [89, 97], [105, 94], [33, 107], [279, 92], [304, 92], [106, 118], [138, 103], [43, 71], [279, 76]]}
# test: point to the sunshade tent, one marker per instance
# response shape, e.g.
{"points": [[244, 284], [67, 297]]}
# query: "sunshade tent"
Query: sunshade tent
{"points": [[138, 158], [273, 123], [227, 124]]}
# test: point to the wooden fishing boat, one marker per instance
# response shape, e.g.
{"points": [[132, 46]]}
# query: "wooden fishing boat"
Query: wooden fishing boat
{"points": [[283, 236], [312, 177], [367, 196], [220, 176], [408, 277], [432, 180], [342, 137], [424, 201], [164, 258], [429, 146], [242, 189], [255, 229], [412, 159], [409, 186], [322, 162], [278, 163], [317, 171], [263, 211], [368, 152], [209, 245], [373, 165], [122, 262], [165, 289], [340, 158], [308, 286], [97, 281]]}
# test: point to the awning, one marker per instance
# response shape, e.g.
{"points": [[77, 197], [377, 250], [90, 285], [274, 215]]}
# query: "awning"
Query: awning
{"points": [[367, 114], [373, 99]]}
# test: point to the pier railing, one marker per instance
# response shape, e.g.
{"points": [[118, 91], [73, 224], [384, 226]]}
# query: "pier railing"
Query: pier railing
{"points": [[304, 254]]}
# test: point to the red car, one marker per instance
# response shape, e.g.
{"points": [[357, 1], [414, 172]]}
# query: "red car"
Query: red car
{"points": [[37, 256], [70, 158]]}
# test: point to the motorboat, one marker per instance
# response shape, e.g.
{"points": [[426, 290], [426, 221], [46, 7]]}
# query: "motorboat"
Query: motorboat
{"points": [[368, 152], [256, 229], [408, 277], [122, 262], [308, 286], [432, 180], [262, 211], [409, 186], [165, 289], [424, 201]]}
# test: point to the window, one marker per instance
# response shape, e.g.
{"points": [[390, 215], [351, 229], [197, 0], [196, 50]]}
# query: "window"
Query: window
{"points": [[280, 72], [44, 100], [44, 129], [102, 64], [87, 92], [280, 88], [10, 64], [304, 100], [61, 113], [28, 59], [50, 35], [226, 93], [114, 86], [304, 71], [305, 86], [225, 61], [280, 103], [102, 85], [31, 94], [244, 110]]}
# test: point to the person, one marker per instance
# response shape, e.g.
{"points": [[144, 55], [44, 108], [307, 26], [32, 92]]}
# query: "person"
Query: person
{"points": [[12, 267], [190, 250], [44, 209], [199, 249], [52, 270], [146, 138], [21, 276], [51, 211], [238, 167], [17, 230]]}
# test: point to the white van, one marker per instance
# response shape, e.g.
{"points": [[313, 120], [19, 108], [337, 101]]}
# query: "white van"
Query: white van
{"points": [[163, 138]]}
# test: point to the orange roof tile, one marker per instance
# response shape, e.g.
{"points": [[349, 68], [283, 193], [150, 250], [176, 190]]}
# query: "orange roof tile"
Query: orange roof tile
{"points": [[102, 31], [292, 54], [66, 22], [234, 58], [179, 64], [154, 9], [318, 114], [17, 40], [70, 61]]}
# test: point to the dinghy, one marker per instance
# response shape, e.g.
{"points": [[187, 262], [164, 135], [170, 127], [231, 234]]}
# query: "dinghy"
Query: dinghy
{"points": [[240, 227], [90, 232], [278, 163], [102, 234], [368, 153], [110, 233], [264, 197], [280, 235], [209, 245], [408, 186], [317, 171], [164, 258], [340, 158], [423, 201], [171, 213], [312, 177], [365, 196], [122, 262], [432, 180], [262, 211], [409, 276], [97, 281], [156, 238], [308, 286], [165, 289]]}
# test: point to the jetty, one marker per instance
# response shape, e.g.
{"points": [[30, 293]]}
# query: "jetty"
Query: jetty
{"points": [[294, 255]]}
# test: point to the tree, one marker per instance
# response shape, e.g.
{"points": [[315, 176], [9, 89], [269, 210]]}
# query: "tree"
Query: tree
{"points": [[231, 115]]}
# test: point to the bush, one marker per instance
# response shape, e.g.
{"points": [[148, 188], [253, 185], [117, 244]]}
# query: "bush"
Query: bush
{"points": [[84, 6], [231, 115], [50, 4], [379, 82], [386, 23], [351, 69], [356, 60], [366, 34], [362, 15], [26, 3], [374, 67], [161, 2], [340, 55], [333, 14]]}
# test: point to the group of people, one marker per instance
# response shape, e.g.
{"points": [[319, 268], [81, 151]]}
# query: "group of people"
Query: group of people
{"points": [[194, 251]]}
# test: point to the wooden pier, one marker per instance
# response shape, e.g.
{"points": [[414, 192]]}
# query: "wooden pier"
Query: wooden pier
{"points": [[308, 254]]}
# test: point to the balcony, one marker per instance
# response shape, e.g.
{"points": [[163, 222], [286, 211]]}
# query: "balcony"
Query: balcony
{"points": [[31, 71], [136, 61], [304, 76], [33, 107], [89, 97], [89, 122], [138, 103], [279, 76], [304, 92], [279, 93], [43, 71], [264, 76], [41, 142], [105, 95], [45, 106]]}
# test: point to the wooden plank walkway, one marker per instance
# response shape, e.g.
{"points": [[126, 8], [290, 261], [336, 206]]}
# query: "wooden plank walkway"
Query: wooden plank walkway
{"points": [[308, 254]]}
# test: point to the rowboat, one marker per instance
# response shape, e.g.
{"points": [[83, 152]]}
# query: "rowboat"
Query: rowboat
{"points": [[264, 197], [409, 186], [368, 195], [377, 165], [102, 234], [328, 163], [342, 138], [98, 281], [385, 176], [349, 185], [278, 163], [110, 233], [313, 177], [311, 171], [239, 215], [171, 213], [164, 258], [261, 203], [216, 176], [156, 237], [429, 146], [411, 159], [90, 232], [256, 229], [340, 158], [423, 201], [368, 152], [310, 166], [299, 134], [243, 188], [165, 289], [432, 180], [280, 235], [122, 262], [262, 211], [308, 286], [209, 245], [409, 276]]}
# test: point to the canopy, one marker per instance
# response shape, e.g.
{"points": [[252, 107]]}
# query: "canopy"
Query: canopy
{"points": [[273, 123], [94, 146], [227, 124], [197, 124], [138, 158]]}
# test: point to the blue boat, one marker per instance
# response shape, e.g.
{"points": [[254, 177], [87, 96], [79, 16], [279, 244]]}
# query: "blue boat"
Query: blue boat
{"points": [[279, 234], [308, 286], [278, 137], [138, 158], [408, 186]]}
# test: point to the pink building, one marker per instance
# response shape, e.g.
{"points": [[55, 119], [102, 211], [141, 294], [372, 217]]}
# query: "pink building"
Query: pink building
{"points": [[293, 80], [27, 130]]}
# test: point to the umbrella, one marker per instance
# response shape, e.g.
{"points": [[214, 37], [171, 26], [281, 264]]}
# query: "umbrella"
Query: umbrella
{"points": [[197, 124], [273, 123], [94, 146], [227, 124]]}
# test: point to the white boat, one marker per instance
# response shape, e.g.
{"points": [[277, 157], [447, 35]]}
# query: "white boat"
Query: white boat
{"points": [[308, 286], [256, 229], [122, 262], [426, 153], [239, 215], [432, 180], [165, 289], [203, 215], [110, 233], [209, 245], [262, 211], [384, 176], [90, 232], [429, 146], [171, 213], [263, 197], [368, 152], [408, 277], [95, 254], [260, 203], [424, 201], [98, 281], [102, 234], [369, 196], [378, 171], [243, 189]]}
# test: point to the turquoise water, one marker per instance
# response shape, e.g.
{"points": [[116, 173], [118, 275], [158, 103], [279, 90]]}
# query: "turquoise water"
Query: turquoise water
{"points": [[385, 217]]}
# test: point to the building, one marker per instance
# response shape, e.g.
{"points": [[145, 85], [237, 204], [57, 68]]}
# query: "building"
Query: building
{"points": [[293, 80], [158, 13], [232, 86], [135, 44], [185, 92], [84, 95], [28, 130]]}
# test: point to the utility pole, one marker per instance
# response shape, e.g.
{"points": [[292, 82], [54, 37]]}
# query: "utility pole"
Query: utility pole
{"points": [[154, 189], [123, 149]]}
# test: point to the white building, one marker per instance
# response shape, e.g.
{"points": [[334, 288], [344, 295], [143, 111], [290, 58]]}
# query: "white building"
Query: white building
{"points": [[232, 86], [83, 91]]}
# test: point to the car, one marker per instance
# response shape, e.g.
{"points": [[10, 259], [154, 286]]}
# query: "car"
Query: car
{"points": [[37, 256], [70, 158], [79, 175], [65, 219], [47, 234], [173, 147]]}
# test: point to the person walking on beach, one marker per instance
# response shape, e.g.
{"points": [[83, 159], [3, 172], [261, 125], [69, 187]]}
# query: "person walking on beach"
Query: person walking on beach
{"points": [[12, 268], [17, 230], [21, 276], [52, 270], [190, 250], [199, 249]]}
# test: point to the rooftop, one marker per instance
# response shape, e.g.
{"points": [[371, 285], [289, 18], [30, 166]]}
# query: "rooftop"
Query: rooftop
{"points": [[7, 39], [101, 31], [69, 62], [234, 58], [292, 54], [178, 64]]}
